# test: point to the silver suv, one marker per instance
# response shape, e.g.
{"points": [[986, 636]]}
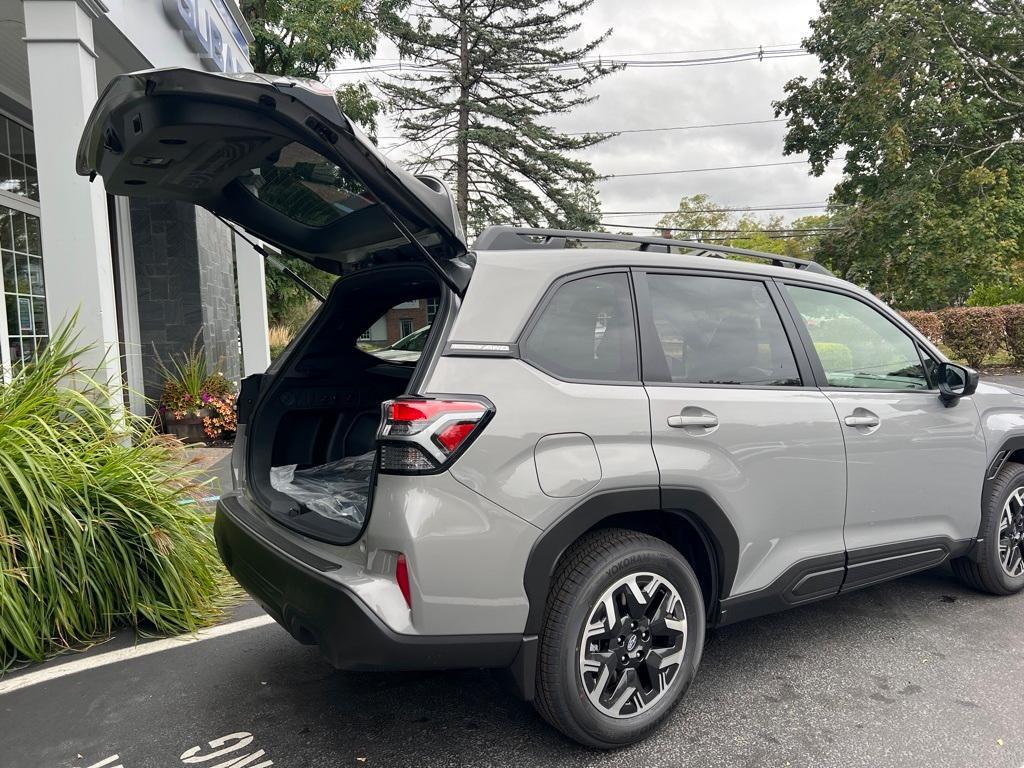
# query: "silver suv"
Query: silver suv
{"points": [[600, 453]]}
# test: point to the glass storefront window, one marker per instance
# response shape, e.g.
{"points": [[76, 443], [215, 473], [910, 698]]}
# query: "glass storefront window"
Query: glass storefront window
{"points": [[18, 174], [21, 269]]}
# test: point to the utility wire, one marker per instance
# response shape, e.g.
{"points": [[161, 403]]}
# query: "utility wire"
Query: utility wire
{"points": [[702, 170], [649, 130], [741, 209], [755, 54], [734, 230], [733, 234], [658, 53]]}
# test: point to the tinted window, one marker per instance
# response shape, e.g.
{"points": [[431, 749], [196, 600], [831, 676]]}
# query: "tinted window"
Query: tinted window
{"points": [[857, 345], [306, 187], [587, 332], [400, 334], [715, 330]]}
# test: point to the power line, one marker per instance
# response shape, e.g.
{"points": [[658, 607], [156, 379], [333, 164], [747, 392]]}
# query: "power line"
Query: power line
{"points": [[755, 54], [683, 127], [650, 130], [657, 53], [703, 170], [736, 235], [742, 209], [705, 50], [735, 231]]}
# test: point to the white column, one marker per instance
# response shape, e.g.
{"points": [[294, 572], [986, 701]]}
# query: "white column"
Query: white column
{"points": [[75, 233], [252, 308]]}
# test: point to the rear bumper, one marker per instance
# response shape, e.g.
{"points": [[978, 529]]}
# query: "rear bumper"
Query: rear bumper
{"points": [[304, 596]]}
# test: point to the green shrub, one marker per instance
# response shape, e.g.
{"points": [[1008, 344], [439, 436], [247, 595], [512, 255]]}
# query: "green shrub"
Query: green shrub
{"points": [[972, 333], [1013, 324], [97, 528], [928, 323], [996, 295], [834, 357]]}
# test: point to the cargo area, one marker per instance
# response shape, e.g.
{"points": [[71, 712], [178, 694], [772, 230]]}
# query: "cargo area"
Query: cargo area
{"points": [[311, 439]]}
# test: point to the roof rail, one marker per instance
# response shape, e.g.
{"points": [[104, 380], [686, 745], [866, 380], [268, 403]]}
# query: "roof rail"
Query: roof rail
{"points": [[501, 238]]}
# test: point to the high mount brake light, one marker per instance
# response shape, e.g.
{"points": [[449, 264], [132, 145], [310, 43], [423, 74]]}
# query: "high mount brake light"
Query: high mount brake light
{"points": [[419, 436]]}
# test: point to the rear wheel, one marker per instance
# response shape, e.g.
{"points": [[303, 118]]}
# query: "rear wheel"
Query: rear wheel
{"points": [[998, 567], [622, 638]]}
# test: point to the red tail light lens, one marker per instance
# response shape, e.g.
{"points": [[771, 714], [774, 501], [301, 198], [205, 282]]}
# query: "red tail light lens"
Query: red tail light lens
{"points": [[454, 435], [402, 577], [420, 436]]}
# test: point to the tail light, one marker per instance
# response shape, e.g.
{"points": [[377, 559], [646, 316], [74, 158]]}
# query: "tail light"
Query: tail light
{"points": [[402, 577], [421, 436]]}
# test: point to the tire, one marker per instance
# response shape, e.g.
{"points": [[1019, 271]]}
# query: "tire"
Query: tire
{"points": [[661, 638], [987, 569]]}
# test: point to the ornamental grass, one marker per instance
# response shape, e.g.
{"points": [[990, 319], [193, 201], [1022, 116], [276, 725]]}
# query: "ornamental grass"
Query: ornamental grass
{"points": [[98, 522]]}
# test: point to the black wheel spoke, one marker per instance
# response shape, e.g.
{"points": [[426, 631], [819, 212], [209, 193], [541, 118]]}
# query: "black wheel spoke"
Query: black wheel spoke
{"points": [[633, 644]]}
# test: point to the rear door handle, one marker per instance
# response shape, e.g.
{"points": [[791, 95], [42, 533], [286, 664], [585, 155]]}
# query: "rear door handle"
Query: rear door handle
{"points": [[862, 418], [704, 421]]}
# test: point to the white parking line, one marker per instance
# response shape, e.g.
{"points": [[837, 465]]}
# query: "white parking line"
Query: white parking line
{"points": [[126, 654]]}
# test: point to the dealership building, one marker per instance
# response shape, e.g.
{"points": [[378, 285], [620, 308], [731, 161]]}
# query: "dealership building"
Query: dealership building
{"points": [[147, 278]]}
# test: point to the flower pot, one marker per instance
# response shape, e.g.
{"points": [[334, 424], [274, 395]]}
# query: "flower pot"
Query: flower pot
{"points": [[188, 429]]}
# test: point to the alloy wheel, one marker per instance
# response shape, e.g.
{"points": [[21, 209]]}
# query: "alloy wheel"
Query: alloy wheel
{"points": [[1011, 534], [633, 644]]}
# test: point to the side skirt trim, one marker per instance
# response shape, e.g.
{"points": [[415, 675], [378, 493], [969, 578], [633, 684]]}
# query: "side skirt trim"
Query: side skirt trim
{"points": [[826, 576]]}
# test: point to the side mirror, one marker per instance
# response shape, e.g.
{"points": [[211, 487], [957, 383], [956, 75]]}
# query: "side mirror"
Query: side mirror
{"points": [[956, 381]]}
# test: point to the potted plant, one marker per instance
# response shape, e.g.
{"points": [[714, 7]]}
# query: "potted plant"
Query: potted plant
{"points": [[198, 403]]}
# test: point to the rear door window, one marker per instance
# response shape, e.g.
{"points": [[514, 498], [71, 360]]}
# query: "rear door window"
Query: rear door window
{"points": [[586, 331], [715, 330]]}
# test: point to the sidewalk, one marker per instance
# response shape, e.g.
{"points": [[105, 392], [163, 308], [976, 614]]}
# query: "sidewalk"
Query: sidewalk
{"points": [[216, 463]]}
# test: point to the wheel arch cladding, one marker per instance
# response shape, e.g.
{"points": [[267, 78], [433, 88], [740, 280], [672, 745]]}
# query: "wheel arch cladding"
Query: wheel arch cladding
{"points": [[688, 519], [1011, 450]]}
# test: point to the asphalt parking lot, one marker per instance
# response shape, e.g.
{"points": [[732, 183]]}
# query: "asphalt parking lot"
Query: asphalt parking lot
{"points": [[919, 672]]}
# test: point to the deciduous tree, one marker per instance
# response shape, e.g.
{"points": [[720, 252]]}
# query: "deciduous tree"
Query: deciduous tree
{"points": [[304, 38], [922, 99]]}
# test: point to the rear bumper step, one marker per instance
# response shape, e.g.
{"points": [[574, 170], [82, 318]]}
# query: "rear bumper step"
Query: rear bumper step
{"points": [[317, 610]]}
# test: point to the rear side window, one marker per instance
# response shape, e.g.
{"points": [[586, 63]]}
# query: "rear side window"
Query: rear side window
{"points": [[716, 330], [586, 331], [400, 334]]}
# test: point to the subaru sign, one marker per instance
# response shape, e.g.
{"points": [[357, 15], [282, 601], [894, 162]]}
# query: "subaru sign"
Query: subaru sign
{"points": [[212, 32]]}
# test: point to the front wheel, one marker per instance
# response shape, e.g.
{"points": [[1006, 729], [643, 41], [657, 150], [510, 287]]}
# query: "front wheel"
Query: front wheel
{"points": [[622, 637], [998, 564]]}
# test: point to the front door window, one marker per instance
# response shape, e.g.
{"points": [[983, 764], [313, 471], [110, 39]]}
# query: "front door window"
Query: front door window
{"points": [[858, 347]]}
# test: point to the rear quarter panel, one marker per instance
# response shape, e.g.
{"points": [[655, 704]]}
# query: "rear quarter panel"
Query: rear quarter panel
{"points": [[530, 405]]}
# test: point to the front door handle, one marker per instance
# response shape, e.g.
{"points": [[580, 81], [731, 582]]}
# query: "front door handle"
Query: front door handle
{"points": [[703, 420], [862, 418]]}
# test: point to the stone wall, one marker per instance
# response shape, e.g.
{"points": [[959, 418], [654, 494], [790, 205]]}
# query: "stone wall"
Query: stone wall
{"points": [[184, 275], [219, 294]]}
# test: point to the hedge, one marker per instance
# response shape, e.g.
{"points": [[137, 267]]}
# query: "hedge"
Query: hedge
{"points": [[1013, 324], [927, 323], [973, 333]]}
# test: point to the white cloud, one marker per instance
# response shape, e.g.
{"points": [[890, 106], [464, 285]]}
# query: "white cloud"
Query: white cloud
{"points": [[651, 98]]}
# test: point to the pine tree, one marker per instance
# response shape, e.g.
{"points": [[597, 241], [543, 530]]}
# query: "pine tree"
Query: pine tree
{"points": [[484, 74]]}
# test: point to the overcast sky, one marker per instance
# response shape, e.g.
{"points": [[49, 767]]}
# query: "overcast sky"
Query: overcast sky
{"points": [[655, 98]]}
